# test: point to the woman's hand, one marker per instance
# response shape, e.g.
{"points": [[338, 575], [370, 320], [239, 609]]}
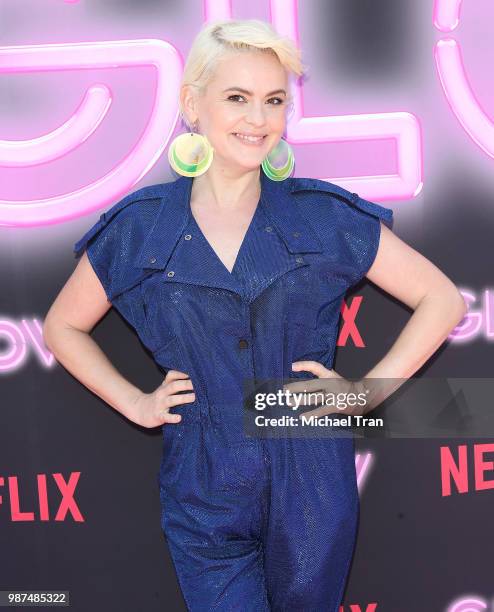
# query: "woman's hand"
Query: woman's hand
{"points": [[317, 390], [153, 409]]}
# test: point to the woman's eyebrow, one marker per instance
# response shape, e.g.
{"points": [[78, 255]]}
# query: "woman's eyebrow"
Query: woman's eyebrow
{"points": [[249, 93]]}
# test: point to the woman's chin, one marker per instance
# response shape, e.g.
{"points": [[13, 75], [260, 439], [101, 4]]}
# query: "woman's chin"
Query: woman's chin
{"points": [[246, 160], [246, 164]]}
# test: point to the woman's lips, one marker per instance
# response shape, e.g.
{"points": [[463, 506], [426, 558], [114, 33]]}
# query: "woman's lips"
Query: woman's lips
{"points": [[249, 141]]}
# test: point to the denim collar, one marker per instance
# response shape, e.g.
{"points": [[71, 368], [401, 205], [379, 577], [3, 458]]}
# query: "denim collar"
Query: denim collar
{"points": [[164, 250]]}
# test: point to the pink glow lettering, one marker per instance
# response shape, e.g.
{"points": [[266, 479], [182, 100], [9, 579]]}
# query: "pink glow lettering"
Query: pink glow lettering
{"points": [[476, 322], [452, 75], [18, 337], [108, 54]]}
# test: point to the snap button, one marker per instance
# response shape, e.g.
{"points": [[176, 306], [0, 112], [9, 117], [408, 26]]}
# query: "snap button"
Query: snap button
{"points": [[268, 228], [299, 260], [242, 343], [187, 236], [296, 234], [153, 260], [171, 273]]}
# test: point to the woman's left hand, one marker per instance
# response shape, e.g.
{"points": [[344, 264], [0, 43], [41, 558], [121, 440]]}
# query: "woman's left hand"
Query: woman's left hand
{"points": [[346, 391]]}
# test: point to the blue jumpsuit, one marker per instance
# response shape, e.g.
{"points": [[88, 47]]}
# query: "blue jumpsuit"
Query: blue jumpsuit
{"points": [[252, 524]]}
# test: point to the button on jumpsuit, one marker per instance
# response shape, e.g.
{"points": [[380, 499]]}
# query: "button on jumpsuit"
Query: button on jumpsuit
{"points": [[252, 524]]}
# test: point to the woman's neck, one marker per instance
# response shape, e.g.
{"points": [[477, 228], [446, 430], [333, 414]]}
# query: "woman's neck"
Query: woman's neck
{"points": [[224, 189]]}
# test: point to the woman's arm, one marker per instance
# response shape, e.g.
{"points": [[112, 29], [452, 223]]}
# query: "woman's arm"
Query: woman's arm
{"points": [[437, 303], [78, 307], [81, 303]]}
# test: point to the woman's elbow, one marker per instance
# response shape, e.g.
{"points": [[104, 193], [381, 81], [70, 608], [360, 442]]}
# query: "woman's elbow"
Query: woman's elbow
{"points": [[53, 328], [449, 299], [455, 305], [48, 333], [462, 304]]}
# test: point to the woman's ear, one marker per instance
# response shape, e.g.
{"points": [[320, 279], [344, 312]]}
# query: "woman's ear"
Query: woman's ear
{"points": [[188, 102]]}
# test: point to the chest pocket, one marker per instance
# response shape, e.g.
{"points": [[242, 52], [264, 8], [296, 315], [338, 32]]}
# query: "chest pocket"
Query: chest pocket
{"points": [[310, 289]]}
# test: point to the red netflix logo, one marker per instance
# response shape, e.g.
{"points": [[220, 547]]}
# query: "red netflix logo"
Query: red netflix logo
{"points": [[66, 504], [456, 468], [372, 607], [349, 327]]}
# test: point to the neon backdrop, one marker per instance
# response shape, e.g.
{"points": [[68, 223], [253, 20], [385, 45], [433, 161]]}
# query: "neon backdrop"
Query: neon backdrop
{"points": [[402, 126]]}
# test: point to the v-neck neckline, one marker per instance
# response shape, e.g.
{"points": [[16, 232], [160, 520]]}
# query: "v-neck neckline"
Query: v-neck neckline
{"points": [[210, 246]]}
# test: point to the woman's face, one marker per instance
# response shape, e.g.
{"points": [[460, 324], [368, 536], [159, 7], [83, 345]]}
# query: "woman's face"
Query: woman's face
{"points": [[247, 96]]}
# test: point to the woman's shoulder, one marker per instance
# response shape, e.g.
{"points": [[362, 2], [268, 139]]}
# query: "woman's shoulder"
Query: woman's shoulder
{"points": [[347, 225], [132, 215], [150, 195], [305, 183], [338, 200]]}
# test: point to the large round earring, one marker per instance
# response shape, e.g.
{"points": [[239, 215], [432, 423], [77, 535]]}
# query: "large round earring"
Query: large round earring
{"points": [[190, 154], [279, 163]]}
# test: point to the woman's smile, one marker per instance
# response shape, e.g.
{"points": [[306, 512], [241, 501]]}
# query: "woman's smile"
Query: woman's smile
{"points": [[251, 141]]}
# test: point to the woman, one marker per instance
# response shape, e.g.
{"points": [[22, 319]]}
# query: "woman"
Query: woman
{"points": [[237, 271]]}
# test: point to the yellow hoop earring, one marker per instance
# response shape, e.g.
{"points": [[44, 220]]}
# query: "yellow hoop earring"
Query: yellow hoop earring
{"points": [[190, 154], [279, 163]]}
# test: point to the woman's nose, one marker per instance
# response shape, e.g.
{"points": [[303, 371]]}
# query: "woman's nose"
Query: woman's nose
{"points": [[256, 114]]}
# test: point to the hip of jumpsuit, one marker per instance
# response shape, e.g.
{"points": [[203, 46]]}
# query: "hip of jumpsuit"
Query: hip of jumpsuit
{"points": [[252, 523]]}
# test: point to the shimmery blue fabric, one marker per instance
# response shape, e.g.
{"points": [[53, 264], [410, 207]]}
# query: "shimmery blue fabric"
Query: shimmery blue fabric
{"points": [[251, 524]]}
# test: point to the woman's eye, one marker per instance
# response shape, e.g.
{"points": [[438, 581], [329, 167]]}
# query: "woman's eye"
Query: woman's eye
{"points": [[234, 96], [272, 101]]}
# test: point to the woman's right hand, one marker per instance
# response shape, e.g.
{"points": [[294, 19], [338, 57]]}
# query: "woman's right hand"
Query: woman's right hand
{"points": [[153, 409]]}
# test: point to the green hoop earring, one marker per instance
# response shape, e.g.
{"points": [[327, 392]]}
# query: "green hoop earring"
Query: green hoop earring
{"points": [[279, 163], [190, 154]]}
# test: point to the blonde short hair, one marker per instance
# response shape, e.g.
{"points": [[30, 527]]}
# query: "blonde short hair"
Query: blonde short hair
{"points": [[220, 37]]}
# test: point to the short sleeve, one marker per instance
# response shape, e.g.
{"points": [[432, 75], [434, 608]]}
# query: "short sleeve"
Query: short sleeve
{"points": [[107, 245], [361, 224], [348, 226]]}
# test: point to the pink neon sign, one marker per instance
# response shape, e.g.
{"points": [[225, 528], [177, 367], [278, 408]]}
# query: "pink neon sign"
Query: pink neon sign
{"points": [[454, 81], [166, 59], [468, 603], [476, 322], [109, 54], [403, 127], [363, 465], [22, 338]]}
